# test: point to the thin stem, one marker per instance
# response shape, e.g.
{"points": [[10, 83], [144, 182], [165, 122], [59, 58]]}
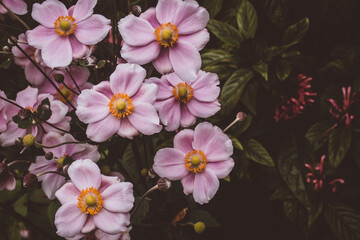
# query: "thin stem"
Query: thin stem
{"points": [[63, 143], [69, 88], [231, 124], [142, 198], [18, 161], [7, 53], [14, 15], [185, 224], [72, 78], [43, 173]]}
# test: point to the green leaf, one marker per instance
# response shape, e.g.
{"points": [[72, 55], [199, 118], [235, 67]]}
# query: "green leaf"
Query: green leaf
{"points": [[296, 213], [203, 216], [6, 64], [247, 19], [52, 208], [315, 134], [236, 143], [343, 220], [233, 88], [296, 32], [249, 96], [339, 144], [277, 11], [215, 56], [281, 193], [101, 64], [282, 69], [262, 69], [212, 6], [20, 205], [141, 211], [256, 152], [225, 32]]}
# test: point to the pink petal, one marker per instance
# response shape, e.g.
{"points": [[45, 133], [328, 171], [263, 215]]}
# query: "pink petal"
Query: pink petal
{"points": [[127, 78], [150, 16], [136, 31], [69, 220], [85, 174], [107, 181], [67, 193], [164, 88], [166, 9], [33, 75], [185, 60], [206, 87], [79, 50], [198, 39], [127, 130], [104, 88], [40, 36], [188, 183], [90, 152], [89, 225], [59, 111], [174, 79], [111, 223], [187, 118], [80, 74], [203, 109], [221, 169], [147, 93], [12, 132], [52, 139], [92, 106], [18, 7], [104, 236], [169, 113], [162, 63], [219, 148], [203, 133], [51, 183], [190, 18], [183, 140], [103, 129], [64, 124], [118, 197], [93, 29], [170, 163], [145, 119], [83, 9], [57, 53], [206, 185], [27, 97], [47, 12], [140, 55]]}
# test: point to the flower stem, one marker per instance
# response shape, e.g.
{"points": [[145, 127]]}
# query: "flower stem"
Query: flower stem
{"points": [[43, 173], [17, 161], [15, 16], [142, 198], [63, 143], [72, 78]]}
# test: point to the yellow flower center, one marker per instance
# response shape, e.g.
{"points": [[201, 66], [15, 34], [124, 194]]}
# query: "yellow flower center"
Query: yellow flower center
{"points": [[90, 201], [121, 105], [60, 161], [195, 161], [65, 25], [67, 93], [183, 92], [166, 34]]}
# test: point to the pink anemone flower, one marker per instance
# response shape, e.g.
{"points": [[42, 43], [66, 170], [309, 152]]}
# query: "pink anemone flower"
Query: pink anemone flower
{"points": [[51, 182], [16, 6], [123, 105], [3, 118], [30, 98], [179, 102], [7, 177], [65, 33], [198, 159], [91, 200], [170, 36]]}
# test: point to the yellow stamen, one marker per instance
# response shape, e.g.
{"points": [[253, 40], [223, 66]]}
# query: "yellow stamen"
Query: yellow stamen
{"points": [[65, 25], [67, 93], [60, 161], [166, 34], [183, 92], [90, 201], [121, 105], [195, 161]]}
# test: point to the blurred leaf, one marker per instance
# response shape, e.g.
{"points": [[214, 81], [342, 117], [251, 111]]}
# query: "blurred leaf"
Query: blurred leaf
{"points": [[141, 211], [6, 195], [282, 69], [262, 69], [223, 71], [339, 144], [203, 216], [290, 53], [296, 32], [343, 220], [315, 134], [38, 196], [52, 209], [214, 56], [6, 64], [249, 96], [236, 143], [296, 213], [282, 194], [256, 152], [241, 127], [100, 64], [241, 165], [277, 11], [247, 19], [20, 205], [233, 88], [213, 6], [225, 32]]}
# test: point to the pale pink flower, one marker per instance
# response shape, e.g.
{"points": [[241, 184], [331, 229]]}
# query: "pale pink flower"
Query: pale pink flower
{"points": [[7, 177], [179, 102], [3, 118], [123, 105], [342, 111], [18, 7], [80, 75], [51, 182], [64, 33], [198, 159], [29, 98], [91, 200], [170, 36]]}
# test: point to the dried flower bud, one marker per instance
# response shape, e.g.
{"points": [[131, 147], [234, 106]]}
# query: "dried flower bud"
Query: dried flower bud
{"points": [[199, 227], [30, 180], [59, 78], [14, 40], [144, 172], [6, 49], [49, 156], [28, 140], [163, 184], [136, 10], [151, 173], [241, 116], [24, 113]]}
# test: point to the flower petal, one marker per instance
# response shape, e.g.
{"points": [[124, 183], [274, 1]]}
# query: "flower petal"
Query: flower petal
{"points": [[118, 197], [40, 36], [92, 106], [59, 111], [206, 185], [33, 75], [150, 16], [162, 63], [164, 88], [12, 132], [222, 168], [127, 130], [27, 97], [142, 54], [89, 225], [107, 181], [170, 163], [67, 193], [101, 130], [198, 39], [51, 183], [69, 220], [203, 109], [83, 9], [147, 93], [166, 9], [111, 223], [190, 18], [187, 118], [47, 12], [18, 7], [93, 29], [219, 148], [145, 118], [104, 88], [85, 174], [206, 87], [57, 53], [188, 183], [203, 133], [78, 49], [169, 113], [183, 140]]}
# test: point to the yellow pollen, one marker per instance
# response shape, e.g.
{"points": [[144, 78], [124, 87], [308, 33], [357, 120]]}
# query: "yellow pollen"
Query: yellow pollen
{"points": [[166, 34], [31, 109], [121, 105], [90, 201], [65, 25], [195, 161], [60, 161], [67, 93], [183, 92]]}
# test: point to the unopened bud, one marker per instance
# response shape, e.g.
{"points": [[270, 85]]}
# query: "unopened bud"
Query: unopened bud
{"points": [[241, 116], [105, 169], [30, 180], [163, 184], [59, 78], [136, 10], [144, 172], [199, 227], [6, 49], [25, 233], [24, 113], [151, 173], [14, 40], [28, 140], [49, 156]]}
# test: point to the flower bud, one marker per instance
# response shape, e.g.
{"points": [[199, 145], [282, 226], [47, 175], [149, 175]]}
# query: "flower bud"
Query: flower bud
{"points": [[25, 233], [28, 140], [14, 40], [30, 180], [163, 184], [151, 173], [49, 156], [199, 227], [136, 10], [144, 172], [59, 78], [6, 49], [24, 113], [241, 116]]}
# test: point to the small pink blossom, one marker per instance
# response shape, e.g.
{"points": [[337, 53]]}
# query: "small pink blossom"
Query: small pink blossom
{"points": [[51, 182], [18, 7], [170, 36], [179, 102], [3, 118], [7, 177], [342, 112], [123, 105], [91, 200], [65, 33], [198, 159]]}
